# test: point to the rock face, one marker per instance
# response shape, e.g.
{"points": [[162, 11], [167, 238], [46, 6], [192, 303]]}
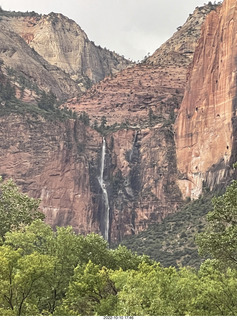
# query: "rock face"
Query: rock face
{"points": [[133, 112], [28, 70], [60, 163], [156, 84], [140, 175], [206, 125], [49, 160], [140, 104], [62, 43], [179, 49], [132, 94]]}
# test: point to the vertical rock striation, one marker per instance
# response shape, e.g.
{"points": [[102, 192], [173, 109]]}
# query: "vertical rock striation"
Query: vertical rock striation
{"points": [[179, 49], [120, 186], [54, 161], [204, 128]]}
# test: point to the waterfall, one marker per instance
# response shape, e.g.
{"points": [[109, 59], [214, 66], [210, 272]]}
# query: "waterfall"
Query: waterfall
{"points": [[105, 193]]}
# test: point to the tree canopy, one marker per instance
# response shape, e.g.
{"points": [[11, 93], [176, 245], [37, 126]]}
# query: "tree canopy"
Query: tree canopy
{"points": [[16, 208], [219, 241], [47, 272]]}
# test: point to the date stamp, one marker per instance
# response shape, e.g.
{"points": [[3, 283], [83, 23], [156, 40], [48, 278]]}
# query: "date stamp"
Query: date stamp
{"points": [[118, 317]]}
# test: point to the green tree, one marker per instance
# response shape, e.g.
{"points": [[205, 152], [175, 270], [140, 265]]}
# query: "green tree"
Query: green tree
{"points": [[7, 91], [144, 291], [217, 291], [69, 251], [219, 240], [151, 116], [16, 208], [103, 122], [47, 101], [125, 259], [22, 280], [84, 117], [95, 126], [153, 290], [96, 249], [67, 248], [63, 245], [91, 292]]}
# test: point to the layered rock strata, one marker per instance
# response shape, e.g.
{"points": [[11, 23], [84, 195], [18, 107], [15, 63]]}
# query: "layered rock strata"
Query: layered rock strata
{"points": [[151, 85], [140, 105], [130, 95], [50, 161], [132, 112]]}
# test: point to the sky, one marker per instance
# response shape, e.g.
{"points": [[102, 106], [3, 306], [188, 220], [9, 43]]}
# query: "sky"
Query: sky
{"points": [[132, 28]]}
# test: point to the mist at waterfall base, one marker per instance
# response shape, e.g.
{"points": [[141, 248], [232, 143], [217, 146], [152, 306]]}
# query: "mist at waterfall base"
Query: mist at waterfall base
{"points": [[105, 193]]}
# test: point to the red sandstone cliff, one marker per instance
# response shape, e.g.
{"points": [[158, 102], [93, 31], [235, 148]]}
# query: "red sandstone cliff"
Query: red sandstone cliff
{"points": [[204, 128], [158, 84], [60, 161], [50, 160], [143, 100]]}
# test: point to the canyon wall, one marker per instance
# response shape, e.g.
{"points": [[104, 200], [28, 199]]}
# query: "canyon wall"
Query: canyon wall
{"points": [[136, 110], [60, 163], [179, 49], [204, 128], [26, 69], [62, 43], [48, 160], [120, 167]]}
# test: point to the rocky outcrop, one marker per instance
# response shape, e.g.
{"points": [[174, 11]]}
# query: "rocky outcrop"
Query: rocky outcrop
{"points": [[50, 160], [179, 49], [132, 94], [28, 70], [206, 123], [62, 43], [131, 115], [140, 106], [140, 176], [59, 162], [156, 84]]}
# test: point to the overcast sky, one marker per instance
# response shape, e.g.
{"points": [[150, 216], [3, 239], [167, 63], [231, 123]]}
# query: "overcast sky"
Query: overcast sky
{"points": [[130, 27]]}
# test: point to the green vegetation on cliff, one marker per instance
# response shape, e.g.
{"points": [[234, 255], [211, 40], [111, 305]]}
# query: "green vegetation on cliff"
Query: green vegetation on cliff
{"points": [[44, 104], [172, 242]]}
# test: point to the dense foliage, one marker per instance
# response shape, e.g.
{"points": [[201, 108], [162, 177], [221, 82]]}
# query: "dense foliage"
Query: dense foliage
{"points": [[220, 237], [42, 268], [46, 272], [16, 208]]}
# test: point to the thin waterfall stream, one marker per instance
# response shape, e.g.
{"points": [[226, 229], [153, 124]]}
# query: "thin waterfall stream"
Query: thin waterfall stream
{"points": [[105, 193]]}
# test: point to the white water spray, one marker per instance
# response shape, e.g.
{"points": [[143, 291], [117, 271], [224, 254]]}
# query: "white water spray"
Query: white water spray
{"points": [[105, 193]]}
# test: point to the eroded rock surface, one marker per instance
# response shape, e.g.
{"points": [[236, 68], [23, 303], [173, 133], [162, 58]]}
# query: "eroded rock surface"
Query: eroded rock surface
{"points": [[60, 162], [62, 43], [206, 122]]}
